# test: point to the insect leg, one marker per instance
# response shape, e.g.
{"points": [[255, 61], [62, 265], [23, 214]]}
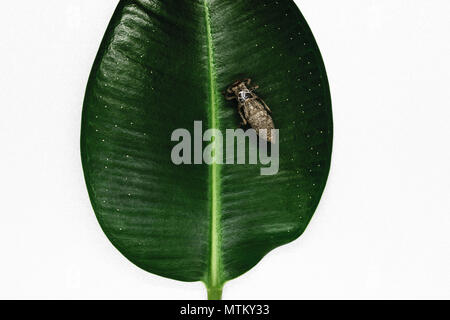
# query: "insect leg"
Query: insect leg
{"points": [[244, 121], [230, 97], [265, 105]]}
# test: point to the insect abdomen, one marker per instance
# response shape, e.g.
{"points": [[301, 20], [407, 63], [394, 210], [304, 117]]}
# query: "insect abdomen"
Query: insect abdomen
{"points": [[259, 118]]}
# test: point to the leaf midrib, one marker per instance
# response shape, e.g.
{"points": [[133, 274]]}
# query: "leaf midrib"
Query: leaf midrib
{"points": [[213, 281]]}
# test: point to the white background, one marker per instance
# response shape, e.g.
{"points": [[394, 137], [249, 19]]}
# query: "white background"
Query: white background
{"points": [[381, 231]]}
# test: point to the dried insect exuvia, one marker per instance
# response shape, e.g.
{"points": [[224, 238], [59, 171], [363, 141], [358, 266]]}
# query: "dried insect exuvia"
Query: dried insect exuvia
{"points": [[252, 109]]}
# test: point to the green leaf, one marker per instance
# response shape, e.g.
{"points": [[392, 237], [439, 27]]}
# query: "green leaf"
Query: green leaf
{"points": [[161, 66]]}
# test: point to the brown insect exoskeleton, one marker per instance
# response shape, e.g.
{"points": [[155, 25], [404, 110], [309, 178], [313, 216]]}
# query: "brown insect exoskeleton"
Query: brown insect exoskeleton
{"points": [[252, 109]]}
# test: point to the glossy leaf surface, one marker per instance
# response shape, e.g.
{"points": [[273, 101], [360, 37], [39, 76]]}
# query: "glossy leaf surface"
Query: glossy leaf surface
{"points": [[163, 65]]}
